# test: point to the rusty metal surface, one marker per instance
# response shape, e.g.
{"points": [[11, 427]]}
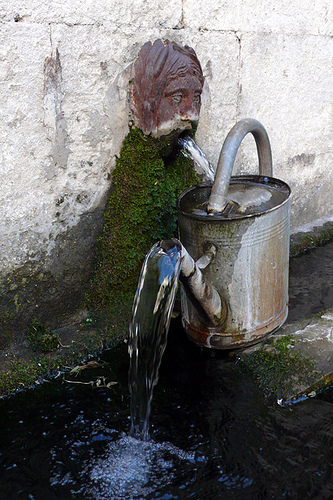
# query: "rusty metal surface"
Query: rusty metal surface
{"points": [[213, 339], [166, 89], [250, 269]]}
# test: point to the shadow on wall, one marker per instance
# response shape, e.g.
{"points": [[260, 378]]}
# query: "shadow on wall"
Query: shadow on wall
{"points": [[54, 288]]}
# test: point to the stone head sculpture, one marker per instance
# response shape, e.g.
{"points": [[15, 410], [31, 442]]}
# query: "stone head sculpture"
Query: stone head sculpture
{"points": [[165, 94]]}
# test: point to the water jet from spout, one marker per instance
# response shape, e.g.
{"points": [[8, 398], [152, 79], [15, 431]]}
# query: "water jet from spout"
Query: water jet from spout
{"points": [[149, 326], [191, 150], [166, 262]]}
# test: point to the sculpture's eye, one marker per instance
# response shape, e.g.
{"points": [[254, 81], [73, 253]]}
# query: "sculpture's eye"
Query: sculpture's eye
{"points": [[177, 98], [196, 99]]}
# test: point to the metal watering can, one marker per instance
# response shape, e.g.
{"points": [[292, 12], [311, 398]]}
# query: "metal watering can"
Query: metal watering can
{"points": [[235, 244]]}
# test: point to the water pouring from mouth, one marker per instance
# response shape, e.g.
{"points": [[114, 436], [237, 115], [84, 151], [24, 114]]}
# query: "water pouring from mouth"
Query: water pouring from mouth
{"points": [[191, 150]]}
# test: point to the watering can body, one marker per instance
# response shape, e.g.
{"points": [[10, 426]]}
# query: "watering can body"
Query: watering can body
{"points": [[250, 269], [251, 265]]}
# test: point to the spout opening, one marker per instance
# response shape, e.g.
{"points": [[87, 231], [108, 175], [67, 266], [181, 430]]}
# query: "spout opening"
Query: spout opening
{"points": [[167, 245]]}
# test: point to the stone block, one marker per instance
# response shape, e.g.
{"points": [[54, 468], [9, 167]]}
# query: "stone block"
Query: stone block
{"points": [[266, 16], [138, 15], [24, 146], [286, 83], [296, 362]]}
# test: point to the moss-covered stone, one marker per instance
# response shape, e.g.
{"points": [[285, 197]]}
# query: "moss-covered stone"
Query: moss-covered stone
{"points": [[147, 181], [279, 369], [22, 366], [303, 242], [41, 338]]}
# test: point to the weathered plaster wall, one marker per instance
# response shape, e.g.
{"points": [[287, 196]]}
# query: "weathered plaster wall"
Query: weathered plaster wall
{"points": [[63, 117]]}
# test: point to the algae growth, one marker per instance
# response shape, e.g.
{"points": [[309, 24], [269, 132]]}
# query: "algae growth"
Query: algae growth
{"points": [[147, 181], [303, 242], [279, 369], [41, 338]]}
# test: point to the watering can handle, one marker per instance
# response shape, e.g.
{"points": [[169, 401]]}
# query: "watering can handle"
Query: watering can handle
{"points": [[218, 197]]}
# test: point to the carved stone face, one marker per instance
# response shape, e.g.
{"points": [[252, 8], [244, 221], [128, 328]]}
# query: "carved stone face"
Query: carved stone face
{"points": [[165, 93], [179, 106]]}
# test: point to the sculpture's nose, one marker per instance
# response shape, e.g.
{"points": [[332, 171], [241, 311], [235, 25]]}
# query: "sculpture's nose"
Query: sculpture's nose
{"points": [[189, 106], [189, 111]]}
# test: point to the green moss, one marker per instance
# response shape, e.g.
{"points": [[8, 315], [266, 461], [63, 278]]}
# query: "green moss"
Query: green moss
{"points": [[82, 341], [278, 368], [147, 181], [301, 243], [41, 338], [19, 374]]}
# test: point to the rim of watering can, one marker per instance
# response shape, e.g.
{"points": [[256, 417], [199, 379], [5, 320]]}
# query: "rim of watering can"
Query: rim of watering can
{"points": [[260, 180]]}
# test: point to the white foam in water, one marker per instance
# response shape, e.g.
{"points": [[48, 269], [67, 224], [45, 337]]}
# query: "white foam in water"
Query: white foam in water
{"points": [[131, 469], [124, 469]]}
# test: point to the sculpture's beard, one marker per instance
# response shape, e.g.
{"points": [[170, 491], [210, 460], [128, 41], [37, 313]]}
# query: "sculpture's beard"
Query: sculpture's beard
{"points": [[175, 124], [168, 144]]}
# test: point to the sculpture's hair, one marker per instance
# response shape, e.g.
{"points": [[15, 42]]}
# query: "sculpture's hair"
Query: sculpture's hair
{"points": [[158, 64]]}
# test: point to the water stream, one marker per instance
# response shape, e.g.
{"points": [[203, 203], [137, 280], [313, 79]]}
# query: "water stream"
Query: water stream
{"points": [[191, 150], [149, 327], [152, 308]]}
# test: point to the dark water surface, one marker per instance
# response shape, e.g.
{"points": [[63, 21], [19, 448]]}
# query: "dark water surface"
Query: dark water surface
{"points": [[213, 435]]}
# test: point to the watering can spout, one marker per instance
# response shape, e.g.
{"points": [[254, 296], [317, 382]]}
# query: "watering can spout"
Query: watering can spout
{"points": [[204, 296], [218, 197]]}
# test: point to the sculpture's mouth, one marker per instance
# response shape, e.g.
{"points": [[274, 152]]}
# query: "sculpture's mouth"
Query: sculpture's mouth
{"points": [[176, 125], [168, 143]]}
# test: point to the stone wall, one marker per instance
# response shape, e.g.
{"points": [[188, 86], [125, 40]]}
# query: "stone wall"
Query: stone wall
{"points": [[64, 73]]}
